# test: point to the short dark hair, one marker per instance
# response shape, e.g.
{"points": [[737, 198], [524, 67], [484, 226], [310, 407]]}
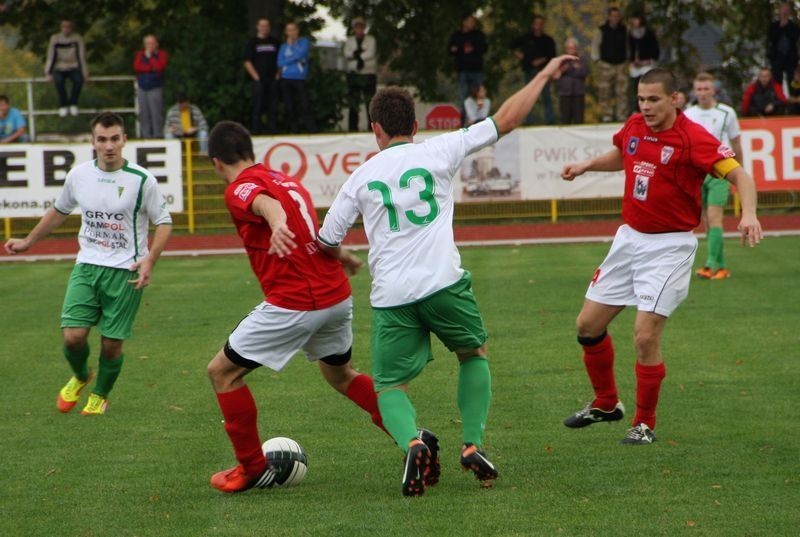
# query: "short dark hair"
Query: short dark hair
{"points": [[4, 99], [181, 97], [393, 108], [107, 119], [613, 9], [230, 142], [536, 17], [662, 76]]}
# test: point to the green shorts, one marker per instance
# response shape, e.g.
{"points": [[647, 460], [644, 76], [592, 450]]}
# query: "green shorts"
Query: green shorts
{"points": [[401, 342], [715, 191], [102, 297]]}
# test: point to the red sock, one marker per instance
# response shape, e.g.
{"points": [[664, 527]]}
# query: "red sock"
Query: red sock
{"points": [[362, 392], [599, 362], [648, 384], [240, 413]]}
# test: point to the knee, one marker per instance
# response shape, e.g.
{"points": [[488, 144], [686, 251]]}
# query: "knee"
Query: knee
{"points": [[645, 341], [74, 342], [587, 328], [464, 355]]}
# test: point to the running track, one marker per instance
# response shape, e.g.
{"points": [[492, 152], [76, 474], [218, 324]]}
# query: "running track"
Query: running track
{"points": [[472, 235]]}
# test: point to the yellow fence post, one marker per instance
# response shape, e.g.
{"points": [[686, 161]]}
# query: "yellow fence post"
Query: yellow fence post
{"points": [[7, 226], [554, 211], [187, 148]]}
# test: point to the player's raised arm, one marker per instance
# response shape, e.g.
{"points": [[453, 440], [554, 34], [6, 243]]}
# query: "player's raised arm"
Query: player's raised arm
{"points": [[749, 226], [51, 220], [607, 162], [517, 107]]}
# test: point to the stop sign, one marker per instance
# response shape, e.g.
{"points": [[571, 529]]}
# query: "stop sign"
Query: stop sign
{"points": [[443, 117]]}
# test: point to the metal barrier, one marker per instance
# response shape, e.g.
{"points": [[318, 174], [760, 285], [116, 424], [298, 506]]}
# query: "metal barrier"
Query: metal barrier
{"points": [[32, 112]]}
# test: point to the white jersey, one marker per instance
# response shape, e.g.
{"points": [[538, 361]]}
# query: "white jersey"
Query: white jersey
{"points": [[720, 120], [405, 195], [116, 209]]}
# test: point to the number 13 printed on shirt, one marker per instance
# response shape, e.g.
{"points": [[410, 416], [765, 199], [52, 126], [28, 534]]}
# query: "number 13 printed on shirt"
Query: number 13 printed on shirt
{"points": [[426, 195]]}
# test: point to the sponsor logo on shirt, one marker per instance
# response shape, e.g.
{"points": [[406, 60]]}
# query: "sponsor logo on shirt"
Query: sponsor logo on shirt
{"points": [[650, 139], [666, 153], [640, 187], [633, 143], [644, 168], [244, 190], [725, 151]]}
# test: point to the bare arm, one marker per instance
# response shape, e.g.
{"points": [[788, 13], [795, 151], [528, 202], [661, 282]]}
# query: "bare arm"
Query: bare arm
{"points": [[281, 243], [350, 262], [248, 65], [607, 162], [514, 110], [736, 145], [51, 220], [14, 135], [146, 264], [749, 226]]}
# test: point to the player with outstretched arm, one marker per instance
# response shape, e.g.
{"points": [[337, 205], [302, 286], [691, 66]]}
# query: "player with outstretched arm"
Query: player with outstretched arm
{"points": [[666, 158]]}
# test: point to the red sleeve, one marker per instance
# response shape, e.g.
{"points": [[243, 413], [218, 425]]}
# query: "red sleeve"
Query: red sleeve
{"points": [[138, 63], [779, 92], [706, 150], [239, 198], [617, 139], [748, 95], [159, 62]]}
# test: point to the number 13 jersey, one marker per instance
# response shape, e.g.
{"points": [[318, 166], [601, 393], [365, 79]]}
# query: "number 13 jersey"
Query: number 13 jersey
{"points": [[405, 196]]}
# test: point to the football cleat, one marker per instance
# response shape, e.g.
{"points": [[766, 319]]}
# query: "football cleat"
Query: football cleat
{"points": [[430, 440], [475, 460], [95, 406], [705, 273], [639, 434], [721, 274], [589, 415], [237, 480], [71, 392], [417, 468]]}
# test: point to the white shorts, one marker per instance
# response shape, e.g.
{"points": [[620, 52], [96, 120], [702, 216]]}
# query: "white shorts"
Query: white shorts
{"points": [[651, 271], [271, 335]]}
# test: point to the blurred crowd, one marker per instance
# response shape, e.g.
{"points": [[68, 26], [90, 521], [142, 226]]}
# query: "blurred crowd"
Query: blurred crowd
{"points": [[621, 51]]}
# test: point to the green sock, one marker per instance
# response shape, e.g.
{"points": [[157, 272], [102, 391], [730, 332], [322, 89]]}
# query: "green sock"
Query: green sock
{"points": [[399, 416], [77, 361], [107, 374], [474, 395], [715, 259]]}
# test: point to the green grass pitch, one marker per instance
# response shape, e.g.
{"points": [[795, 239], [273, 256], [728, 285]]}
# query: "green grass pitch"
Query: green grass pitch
{"points": [[726, 462]]}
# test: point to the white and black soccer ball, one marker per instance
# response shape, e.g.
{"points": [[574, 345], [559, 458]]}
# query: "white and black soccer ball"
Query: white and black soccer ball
{"points": [[287, 459]]}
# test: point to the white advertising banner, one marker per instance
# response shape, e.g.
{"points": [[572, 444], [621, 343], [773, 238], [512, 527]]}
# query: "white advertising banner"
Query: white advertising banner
{"points": [[32, 175]]}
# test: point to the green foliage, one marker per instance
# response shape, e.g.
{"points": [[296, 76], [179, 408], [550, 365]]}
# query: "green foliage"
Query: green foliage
{"points": [[725, 463]]}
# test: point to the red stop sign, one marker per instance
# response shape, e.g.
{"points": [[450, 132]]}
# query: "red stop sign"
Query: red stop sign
{"points": [[443, 117]]}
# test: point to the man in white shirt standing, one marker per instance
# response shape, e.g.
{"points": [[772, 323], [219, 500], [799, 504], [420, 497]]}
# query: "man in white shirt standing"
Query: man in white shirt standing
{"points": [[117, 200], [405, 196], [720, 120]]}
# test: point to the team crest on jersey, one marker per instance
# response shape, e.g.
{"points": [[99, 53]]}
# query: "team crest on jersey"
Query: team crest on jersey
{"points": [[633, 143], [725, 151], [120, 189], [666, 153], [243, 191]]}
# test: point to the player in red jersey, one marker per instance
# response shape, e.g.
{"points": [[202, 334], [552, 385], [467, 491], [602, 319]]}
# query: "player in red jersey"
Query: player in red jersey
{"points": [[666, 158], [307, 301]]}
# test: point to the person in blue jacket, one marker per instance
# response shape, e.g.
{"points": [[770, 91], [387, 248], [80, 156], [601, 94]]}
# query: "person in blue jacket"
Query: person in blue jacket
{"points": [[293, 66]]}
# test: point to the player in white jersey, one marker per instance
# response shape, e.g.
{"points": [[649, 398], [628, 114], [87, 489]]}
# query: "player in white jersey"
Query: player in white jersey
{"points": [[117, 201], [405, 196], [720, 120]]}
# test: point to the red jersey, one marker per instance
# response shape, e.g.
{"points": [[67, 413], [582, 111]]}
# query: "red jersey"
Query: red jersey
{"points": [[306, 279], [664, 173]]}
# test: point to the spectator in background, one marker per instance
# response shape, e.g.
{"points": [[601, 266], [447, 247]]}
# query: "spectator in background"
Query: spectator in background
{"points": [[186, 120], [534, 50], [782, 44], [13, 127], [609, 52], [467, 47], [149, 64], [66, 60], [571, 85], [261, 64], [794, 93], [643, 53], [681, 100], [360, 51], [293, 65], [477, 105], [764, 97]]}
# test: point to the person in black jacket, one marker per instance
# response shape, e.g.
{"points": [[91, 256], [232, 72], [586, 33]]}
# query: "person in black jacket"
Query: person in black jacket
{"points": [[261, 64], [467, 46], [534, 50], [643, 52], [782, 44]]}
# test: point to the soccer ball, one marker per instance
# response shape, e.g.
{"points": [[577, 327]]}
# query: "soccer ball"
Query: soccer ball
{"points": [[287, 458]]}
